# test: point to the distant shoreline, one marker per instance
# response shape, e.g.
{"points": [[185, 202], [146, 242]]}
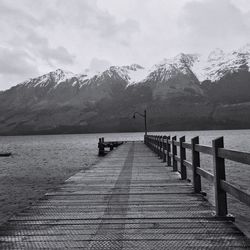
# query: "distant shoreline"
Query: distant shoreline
{"points": [[122, 132]]}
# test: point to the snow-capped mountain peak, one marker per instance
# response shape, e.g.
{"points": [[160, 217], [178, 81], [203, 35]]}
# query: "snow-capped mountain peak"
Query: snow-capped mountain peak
{"points": [[130, 74], [213, 67], [169, 68], [179, 62], [54, 77], [218, 64], [60, 76]]}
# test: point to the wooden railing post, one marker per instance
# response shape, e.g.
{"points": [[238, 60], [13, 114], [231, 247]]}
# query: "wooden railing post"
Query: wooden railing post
{"points": [[164, 147], [161, 147], [155, 144], [101, 147], [195, 164], [182, 158], [174, 153], [168, 152], [157, 138], [219, 174]]}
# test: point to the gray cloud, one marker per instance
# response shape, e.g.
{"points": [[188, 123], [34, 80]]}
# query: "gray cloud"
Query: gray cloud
{"points": [[55, 33], [214, 23], [25, 44], [98, 65], [40, 46], [58, 54], [16, 66], [110, 28], [46, 34], [16, 16], [15, 61], [88, 16]]}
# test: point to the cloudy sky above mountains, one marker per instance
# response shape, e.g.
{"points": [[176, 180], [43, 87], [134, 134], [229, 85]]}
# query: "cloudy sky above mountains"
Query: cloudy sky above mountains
{"points": [[40, 36]]}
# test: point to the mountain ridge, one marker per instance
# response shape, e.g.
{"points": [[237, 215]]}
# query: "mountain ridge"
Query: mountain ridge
{"points": [[188, 92]]}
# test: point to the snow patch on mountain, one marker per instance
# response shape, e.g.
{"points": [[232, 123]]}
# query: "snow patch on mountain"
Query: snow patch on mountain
{"points": [[60, 76], [168, 68], [129, 73], [56, 77], [80, 79], [219, 63], [135, 73]]}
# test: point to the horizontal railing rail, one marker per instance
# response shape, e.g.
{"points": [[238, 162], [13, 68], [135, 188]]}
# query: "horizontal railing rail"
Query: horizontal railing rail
{"points": [[166, 147]]}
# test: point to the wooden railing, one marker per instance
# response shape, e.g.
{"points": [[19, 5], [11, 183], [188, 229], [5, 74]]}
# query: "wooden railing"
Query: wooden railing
{"points": [[166, 148]]}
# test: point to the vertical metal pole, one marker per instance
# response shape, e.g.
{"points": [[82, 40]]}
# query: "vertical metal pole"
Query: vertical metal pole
{"points": [[219, 174], [183, 157], [196, 164]]}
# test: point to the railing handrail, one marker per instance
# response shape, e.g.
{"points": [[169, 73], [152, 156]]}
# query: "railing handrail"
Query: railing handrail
{"points": [[166, 148], [227, 154]]}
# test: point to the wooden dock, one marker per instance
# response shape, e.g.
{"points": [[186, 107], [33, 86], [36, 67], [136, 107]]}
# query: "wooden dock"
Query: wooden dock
{"points": [[129, 200]]}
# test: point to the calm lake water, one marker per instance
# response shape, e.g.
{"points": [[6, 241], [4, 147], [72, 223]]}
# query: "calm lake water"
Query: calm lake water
{"points": [[39, 163]]}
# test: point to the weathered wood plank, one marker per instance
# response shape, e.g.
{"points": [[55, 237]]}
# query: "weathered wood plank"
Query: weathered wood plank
{"points": [[236, 192], [188, 164], [187, 145], [233, 155], [205, 174], [203, 149]]}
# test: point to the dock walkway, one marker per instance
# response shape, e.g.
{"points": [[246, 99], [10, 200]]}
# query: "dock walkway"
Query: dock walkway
{"points": [[129, 200]]}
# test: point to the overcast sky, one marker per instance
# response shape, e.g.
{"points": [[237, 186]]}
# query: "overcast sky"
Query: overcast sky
{"points": [[38, 36]]}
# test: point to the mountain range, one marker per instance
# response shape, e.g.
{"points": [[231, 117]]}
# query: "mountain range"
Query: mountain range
{"points": [[188, 91]]}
